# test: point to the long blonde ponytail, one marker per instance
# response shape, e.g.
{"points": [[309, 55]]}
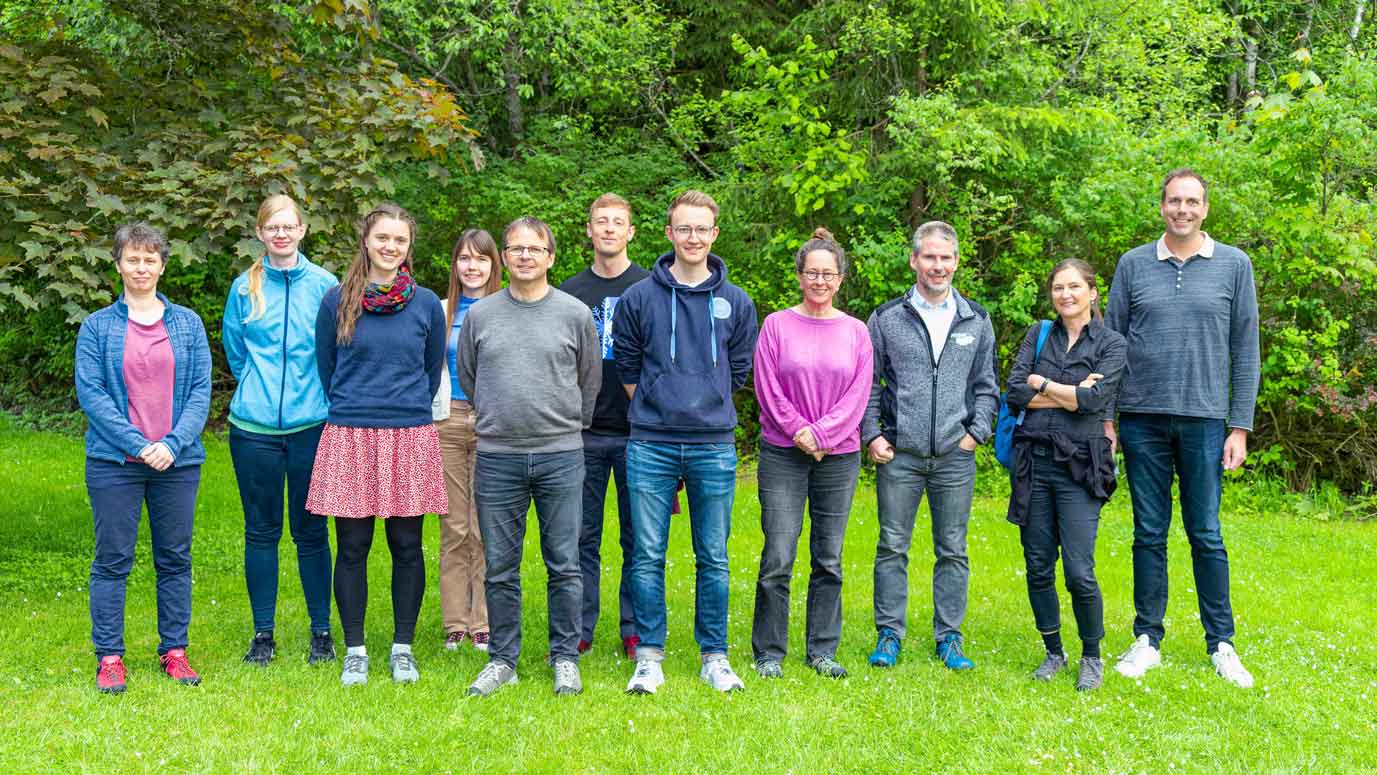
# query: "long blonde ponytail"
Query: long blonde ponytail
{"points": [[271, 206]]}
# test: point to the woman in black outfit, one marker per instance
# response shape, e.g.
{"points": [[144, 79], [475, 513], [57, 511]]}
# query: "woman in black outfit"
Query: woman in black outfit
{"points": [[1064, 463]]}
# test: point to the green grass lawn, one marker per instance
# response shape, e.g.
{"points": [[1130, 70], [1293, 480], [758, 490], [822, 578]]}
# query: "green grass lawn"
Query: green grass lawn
{"points": [[1303, 591]]}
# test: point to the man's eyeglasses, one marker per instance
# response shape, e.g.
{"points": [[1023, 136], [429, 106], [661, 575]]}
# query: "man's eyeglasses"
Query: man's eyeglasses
{"points": [[280, 229], [701, 232], [825, 275], [534, 251]]}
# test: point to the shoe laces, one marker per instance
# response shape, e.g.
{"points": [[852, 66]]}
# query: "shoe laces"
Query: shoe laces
{"points": [[489, 674], [889, 643], [355, 663], [175, 664], [402, 660], [112, 671], [720, 669], [566, 671], [643, 667], [951, 647]]}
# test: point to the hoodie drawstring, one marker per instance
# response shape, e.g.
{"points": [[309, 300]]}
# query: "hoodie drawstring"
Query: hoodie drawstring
{"points": [[674, 323], [712, 324]]}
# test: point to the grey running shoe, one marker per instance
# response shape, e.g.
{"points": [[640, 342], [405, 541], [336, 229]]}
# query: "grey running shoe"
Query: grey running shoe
{"points": [[403, 666], [1091, 675], [827, 667], [567, 680], [648, 677], [1051, 665], [769, 668], [717, 672], [355, 670], [492, 677]]}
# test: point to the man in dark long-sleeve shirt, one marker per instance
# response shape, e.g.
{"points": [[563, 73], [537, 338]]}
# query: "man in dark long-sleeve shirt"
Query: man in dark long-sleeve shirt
{"points": [[1187, 307]]}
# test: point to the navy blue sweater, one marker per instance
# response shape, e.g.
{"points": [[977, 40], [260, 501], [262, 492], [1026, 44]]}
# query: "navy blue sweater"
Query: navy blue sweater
{"points": [[387, 375], [687, 349]]}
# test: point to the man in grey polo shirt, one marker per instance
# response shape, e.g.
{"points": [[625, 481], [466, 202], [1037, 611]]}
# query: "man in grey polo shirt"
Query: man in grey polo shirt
{"points": [[1188, 308], [933, 402]]}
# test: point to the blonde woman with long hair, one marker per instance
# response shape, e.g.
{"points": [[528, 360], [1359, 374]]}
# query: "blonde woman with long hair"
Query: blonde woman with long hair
{"points": [[276, 415]]}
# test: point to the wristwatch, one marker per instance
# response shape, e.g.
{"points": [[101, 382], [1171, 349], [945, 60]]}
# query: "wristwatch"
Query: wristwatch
{"points": [[1043, 388]]}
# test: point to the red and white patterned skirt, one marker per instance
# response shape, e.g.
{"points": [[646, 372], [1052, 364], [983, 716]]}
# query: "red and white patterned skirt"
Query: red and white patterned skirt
{"points": [[382, 472]]}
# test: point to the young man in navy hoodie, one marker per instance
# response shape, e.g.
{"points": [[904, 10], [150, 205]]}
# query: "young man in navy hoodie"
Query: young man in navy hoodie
{"points": [[684, 339]]}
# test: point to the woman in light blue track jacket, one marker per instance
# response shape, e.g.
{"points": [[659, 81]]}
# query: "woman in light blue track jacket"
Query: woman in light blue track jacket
{"points": [[276, 416]]}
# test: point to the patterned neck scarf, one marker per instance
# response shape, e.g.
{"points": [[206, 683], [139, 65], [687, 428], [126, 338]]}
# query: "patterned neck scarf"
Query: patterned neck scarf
{"points": [[391, 298]]}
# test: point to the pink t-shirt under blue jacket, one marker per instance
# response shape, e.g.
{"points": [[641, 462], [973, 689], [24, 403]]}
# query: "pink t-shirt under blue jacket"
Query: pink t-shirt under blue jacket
{"points": [[814, 373], [149, 373]]}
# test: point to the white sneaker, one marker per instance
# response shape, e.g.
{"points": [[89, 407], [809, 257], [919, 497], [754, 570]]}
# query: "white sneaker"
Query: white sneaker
{"points": [[717, 672], [1230, 667], [1140, 658], [648, 677]]}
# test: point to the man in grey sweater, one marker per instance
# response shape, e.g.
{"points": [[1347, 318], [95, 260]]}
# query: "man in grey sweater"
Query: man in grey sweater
{"points": [[530, 360], [933, 402], [1188, 308]]}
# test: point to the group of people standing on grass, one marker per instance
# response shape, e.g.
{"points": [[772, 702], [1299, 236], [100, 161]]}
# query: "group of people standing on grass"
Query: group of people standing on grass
{"points": [[373, 399]]}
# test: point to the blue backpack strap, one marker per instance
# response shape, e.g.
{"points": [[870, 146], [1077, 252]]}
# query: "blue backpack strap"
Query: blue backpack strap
{"points": [[1043, 333]]}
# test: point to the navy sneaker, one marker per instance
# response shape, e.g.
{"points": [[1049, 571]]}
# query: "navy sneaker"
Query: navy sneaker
{"points": [[949, 651], [886, 651]]}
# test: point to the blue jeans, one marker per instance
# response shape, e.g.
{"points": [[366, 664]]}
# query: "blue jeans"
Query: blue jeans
{"points": [[604, 456], [788, 478], [949, 481], [1156, 447], [118, 493], [504, 486], [653, 471], [261, 462]]}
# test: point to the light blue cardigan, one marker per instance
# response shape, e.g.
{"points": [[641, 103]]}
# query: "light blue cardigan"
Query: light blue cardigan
{"points": [[105, 399]]}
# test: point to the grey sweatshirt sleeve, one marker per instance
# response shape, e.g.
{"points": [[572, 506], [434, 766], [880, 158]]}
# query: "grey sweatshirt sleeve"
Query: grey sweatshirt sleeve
{"points": [[1116, 318], [466, 354], [1244, 349], [590, 367], [984, 387], [870, 421]]}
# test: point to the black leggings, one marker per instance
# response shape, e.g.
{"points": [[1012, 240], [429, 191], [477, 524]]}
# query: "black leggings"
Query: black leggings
{"points": [[353, 539]]}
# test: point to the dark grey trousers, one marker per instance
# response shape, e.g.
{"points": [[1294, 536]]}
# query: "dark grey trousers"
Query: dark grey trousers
{"points": [[788, 478], [949, 481]]}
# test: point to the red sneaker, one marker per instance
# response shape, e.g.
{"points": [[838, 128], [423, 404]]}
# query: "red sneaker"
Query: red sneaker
{"points": [[175, 665], [629, 644], [585, 647], [110, 674], [480, 641], [453, 639]]}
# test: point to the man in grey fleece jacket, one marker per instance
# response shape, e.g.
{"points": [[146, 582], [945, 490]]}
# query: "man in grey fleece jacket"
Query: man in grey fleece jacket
{"points": [[530, 360], [933, 402]]}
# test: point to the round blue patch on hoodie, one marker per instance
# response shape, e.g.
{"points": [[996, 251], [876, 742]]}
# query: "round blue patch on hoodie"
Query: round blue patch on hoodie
{"points": [[721, 308]]}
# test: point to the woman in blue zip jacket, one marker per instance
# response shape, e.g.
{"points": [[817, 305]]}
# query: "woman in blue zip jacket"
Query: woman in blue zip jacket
{"points": [[275, 418], [143, 381]]}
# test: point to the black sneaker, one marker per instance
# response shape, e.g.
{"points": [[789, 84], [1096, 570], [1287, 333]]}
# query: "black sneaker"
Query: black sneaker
{"points": [[322, 648], [261, 650]]}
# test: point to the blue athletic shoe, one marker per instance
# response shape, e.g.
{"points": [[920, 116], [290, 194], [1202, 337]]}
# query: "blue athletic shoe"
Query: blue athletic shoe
{"points": [[886, 651], [949, 651]]}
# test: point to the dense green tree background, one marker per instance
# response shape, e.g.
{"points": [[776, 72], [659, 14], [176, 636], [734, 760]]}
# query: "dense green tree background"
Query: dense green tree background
{"points": [[1041, 128]]}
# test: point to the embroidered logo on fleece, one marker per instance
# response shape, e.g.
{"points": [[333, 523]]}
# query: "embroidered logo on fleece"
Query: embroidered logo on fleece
{"points": [[964, 340], [721, 308]]}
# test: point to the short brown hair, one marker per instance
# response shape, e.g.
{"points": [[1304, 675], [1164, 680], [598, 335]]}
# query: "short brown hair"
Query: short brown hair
{"points": [[692, 198], [534, 224], [609, 200], [1185, 172]]}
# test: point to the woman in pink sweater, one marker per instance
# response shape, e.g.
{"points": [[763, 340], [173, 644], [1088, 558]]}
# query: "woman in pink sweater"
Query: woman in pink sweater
{"points": [[813, 369]]}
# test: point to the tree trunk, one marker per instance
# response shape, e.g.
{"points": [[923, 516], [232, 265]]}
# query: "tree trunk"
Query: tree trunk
{"points": [[511, 66], [1250, 62], [918, 205], [1357, 24]]}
